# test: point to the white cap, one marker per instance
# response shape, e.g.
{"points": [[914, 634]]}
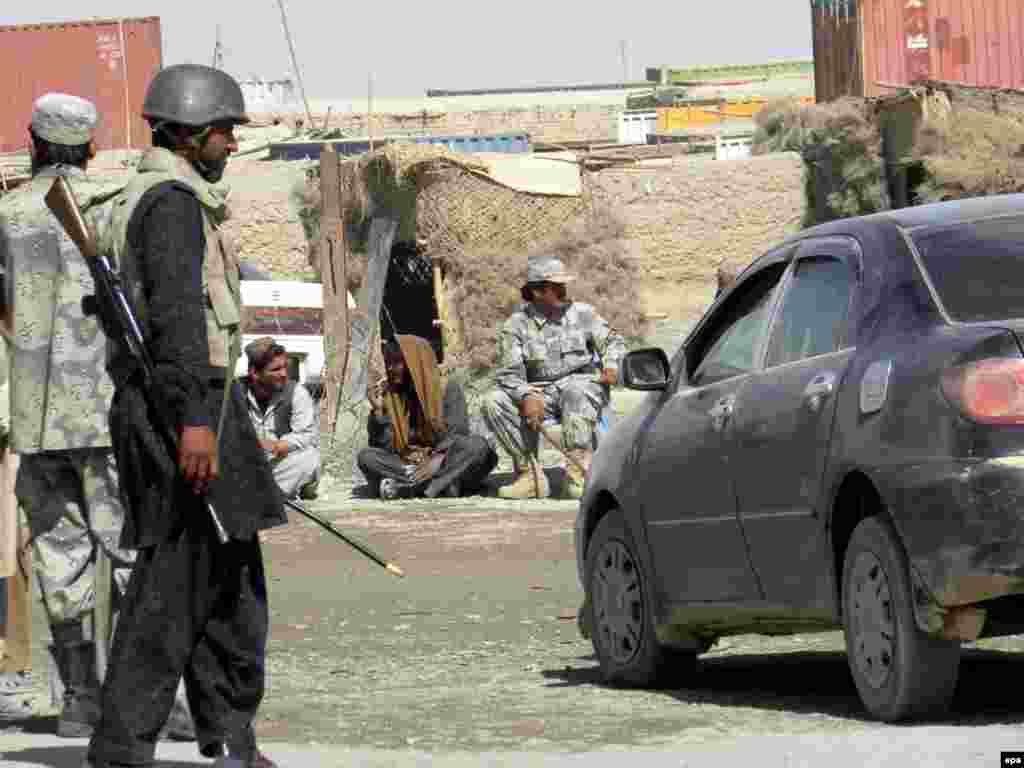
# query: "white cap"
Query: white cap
{"points": [[63, 119]]}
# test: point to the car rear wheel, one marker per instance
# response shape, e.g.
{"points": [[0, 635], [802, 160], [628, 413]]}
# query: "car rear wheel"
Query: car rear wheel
{"points": [[620, 603], [900, 671]]}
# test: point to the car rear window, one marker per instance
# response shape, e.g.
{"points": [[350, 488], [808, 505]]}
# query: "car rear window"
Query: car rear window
{"points": [[976, 267]]}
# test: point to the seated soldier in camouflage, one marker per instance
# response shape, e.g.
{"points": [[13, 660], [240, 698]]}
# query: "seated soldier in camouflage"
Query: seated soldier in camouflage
{"points": [[558, 360]]}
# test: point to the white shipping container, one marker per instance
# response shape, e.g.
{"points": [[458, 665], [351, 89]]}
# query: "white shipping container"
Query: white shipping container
{"points": [[635, 126], [732, 149]]}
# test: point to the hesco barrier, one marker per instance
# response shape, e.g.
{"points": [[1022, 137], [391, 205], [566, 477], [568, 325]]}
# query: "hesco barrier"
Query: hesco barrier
{"points": [[110, 62]]}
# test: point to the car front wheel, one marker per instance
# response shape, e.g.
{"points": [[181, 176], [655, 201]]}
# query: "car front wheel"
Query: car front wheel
{"points": [[900, 671], [621, 618]]}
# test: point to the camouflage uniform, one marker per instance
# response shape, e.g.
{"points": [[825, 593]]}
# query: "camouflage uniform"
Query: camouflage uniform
{"points": [[557, 359], [60, 396]]}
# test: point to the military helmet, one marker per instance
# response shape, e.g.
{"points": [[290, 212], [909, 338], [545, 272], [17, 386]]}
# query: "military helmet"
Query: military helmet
{"points": [[194, 95]]}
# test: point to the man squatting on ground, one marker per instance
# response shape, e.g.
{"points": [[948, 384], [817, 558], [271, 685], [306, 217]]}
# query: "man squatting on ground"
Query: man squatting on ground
{"points": [[196, 606], [420, 443], [285, 418], [67, 484], [547, 371]]}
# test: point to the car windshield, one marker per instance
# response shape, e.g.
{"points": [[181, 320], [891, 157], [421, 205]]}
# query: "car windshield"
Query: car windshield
{"points": [[976, 267]]}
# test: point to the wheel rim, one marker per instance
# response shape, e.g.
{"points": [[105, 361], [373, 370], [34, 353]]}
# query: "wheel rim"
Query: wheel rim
{"points": [[618, 602], [872, 623]]}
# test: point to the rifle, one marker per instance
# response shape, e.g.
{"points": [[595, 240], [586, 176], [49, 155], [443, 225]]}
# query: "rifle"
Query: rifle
{"points": [[328, 526], [111, 306]]}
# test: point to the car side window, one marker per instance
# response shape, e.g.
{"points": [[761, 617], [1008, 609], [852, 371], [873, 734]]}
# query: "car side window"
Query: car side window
{"points": [[814, 312], [729, 348]]}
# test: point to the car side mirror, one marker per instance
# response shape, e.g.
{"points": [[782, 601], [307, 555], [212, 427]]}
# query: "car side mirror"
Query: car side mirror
{"points": [[646, 369]]}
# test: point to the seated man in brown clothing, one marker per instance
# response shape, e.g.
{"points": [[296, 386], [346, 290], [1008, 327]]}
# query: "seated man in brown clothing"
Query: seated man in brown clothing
{"points": [[420, 443]]}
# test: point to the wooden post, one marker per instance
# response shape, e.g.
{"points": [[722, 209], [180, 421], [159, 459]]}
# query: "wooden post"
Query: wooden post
{"points": [[442, 304], [333, 277], [16, 655]]}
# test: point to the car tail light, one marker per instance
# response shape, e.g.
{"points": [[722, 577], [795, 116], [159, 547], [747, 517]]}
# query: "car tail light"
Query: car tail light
{"points": [[989, 391]]}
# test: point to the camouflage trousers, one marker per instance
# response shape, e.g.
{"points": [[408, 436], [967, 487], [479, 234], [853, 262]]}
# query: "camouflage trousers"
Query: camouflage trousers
{"points": [[71, 503], [575, 402]]}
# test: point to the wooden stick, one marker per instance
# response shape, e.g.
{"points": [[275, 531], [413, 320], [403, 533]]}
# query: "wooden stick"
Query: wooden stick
{"points": [[572, 460]]}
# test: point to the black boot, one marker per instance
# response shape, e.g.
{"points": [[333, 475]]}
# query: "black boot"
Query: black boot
{"points": [[239, 751], [76, 661]]}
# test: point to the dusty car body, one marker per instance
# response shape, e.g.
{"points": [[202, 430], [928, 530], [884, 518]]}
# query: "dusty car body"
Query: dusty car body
{"points": [[860, 385]]}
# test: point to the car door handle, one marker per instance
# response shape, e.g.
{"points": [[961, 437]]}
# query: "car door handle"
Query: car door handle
{"points": [[819, 388], [721, 411]]}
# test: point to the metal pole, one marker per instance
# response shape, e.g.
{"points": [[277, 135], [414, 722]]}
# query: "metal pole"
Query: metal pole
{"points": [[218, 57], [124, 74], [295, 63], [369, 109]]}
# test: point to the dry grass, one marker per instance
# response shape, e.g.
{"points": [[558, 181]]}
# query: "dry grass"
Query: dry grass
{"points": [[594, 247], [971, 153], [841, 147]]}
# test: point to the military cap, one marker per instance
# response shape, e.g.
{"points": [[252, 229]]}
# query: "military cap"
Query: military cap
{"points": [[60, 118], [546, 269], [256, 349]]}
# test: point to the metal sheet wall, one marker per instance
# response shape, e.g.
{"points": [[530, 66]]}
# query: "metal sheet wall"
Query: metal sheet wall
{"points": [[109, 62], [979, 42]]}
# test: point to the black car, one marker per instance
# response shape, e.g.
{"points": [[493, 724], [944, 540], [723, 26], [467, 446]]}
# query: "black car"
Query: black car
{"points": [[839, 442]]}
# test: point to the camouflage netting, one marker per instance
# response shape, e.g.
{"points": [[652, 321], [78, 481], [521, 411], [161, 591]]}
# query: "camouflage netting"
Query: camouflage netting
{"points": [[594, 246], [970, 153], [484, 232], [841, 147]]}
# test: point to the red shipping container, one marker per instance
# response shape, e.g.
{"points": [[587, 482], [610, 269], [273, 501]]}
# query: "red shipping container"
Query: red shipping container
{"points": [[109, 62], [862, 46]]}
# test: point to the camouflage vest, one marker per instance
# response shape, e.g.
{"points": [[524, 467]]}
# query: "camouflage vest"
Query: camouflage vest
{"points": [[220, 265], [59, 391]]}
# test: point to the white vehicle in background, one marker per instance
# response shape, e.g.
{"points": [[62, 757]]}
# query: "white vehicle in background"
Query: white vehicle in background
{"points": [[293, 313]]}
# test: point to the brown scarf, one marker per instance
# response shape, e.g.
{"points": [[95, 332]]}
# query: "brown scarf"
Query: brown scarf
{"points": [[421, 363]]}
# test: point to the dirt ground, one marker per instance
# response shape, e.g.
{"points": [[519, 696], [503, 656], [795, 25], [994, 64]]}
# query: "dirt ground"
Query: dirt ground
{"points": [[477, 648]]}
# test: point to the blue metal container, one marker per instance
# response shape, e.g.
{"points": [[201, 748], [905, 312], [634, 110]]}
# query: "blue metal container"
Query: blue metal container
{"points": [[512, 143], [310, 150]]}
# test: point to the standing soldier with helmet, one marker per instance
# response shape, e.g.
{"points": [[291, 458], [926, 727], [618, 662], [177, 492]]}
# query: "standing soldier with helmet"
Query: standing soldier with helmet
{"points": [[60, 393], [197, 605]]}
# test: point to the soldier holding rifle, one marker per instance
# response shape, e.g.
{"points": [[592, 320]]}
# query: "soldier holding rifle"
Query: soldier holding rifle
{"points": [[194, 478]]}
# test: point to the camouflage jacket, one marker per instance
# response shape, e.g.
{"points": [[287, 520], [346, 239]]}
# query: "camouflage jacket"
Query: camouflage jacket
{"points": [[60, 392], [532, 348]]}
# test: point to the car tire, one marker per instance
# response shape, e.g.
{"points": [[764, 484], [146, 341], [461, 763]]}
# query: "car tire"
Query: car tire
{"points": [[621, 612], [900, 672]]}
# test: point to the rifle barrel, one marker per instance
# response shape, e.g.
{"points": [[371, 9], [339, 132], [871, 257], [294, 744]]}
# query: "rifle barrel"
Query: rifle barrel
{"points": [[362, 548]]}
